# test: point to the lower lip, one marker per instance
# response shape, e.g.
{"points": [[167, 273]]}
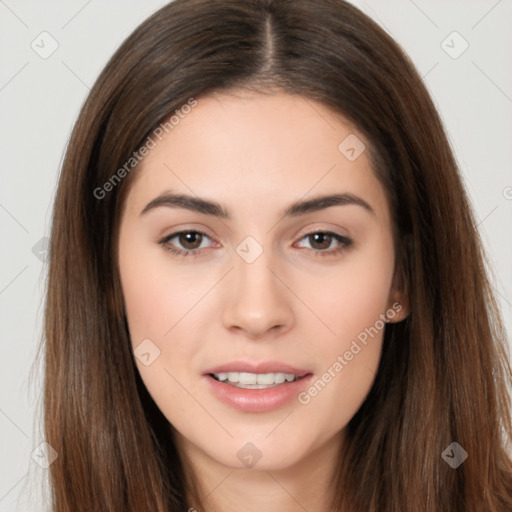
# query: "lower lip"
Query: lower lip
{"points": [[257, 400]]}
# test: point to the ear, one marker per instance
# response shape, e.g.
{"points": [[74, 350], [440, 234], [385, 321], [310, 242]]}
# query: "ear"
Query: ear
{"points": [[398, 306]]}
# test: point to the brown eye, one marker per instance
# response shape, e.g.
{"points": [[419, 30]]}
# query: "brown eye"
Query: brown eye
{"points": [[190, 239], [186, 243], [325, 243], [320, 241]]}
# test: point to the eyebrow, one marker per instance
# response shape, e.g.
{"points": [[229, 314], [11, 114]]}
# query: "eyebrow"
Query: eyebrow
{"points": [[215, 209]]}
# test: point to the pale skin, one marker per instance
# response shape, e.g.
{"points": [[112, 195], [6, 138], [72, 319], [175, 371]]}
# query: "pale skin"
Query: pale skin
{"points": [[255, 155]]}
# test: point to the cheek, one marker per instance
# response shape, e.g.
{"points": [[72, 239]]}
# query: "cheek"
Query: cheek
{"points": [[352, 302], [350, 297], [164, 308], [158, 300], [157, 294]]}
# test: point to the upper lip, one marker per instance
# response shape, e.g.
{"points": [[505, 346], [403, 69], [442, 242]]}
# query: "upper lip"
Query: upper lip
{"points": [[261, 367]]}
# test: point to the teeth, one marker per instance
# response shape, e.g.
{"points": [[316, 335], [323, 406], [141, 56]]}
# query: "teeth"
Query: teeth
{"points": [[280, 378], [264, 379], [249, 378]]}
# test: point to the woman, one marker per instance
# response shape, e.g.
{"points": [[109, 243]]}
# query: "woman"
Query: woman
{"points": [[265, 279]]}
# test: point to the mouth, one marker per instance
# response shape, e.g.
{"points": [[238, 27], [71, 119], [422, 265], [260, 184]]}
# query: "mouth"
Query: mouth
{"points": [[256, 387], [247, 380]]}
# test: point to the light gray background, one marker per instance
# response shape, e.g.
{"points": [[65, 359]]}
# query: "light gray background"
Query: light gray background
{"points": [[40, 99]]}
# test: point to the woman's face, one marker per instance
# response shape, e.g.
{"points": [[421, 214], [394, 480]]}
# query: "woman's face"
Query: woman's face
{"points": [[233, 267]]}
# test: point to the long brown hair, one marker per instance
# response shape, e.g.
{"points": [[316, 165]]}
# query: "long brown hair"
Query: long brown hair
{"points": [[444, 371]]}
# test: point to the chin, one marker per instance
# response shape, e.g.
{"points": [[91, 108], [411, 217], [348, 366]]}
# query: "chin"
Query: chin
{"points": [[261, 454]]}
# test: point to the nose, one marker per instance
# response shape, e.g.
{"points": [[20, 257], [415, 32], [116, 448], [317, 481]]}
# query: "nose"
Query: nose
{"points": [[258, 301]]}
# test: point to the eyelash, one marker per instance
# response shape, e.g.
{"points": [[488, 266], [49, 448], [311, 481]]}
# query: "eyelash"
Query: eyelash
{"points": [[344, 243]]}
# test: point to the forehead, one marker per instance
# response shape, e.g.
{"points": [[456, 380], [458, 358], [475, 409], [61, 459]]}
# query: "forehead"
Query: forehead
{"points": [[244, 148]]}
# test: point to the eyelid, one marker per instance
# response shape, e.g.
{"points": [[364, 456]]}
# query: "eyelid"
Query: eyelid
{"points": [[324, 227]]}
